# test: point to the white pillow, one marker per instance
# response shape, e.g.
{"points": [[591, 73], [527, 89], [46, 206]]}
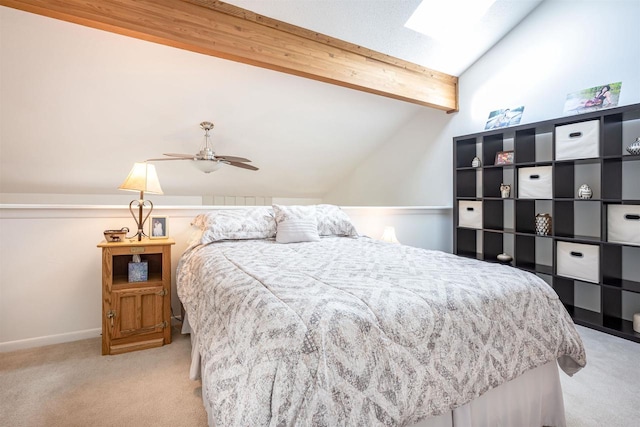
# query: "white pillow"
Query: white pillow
{"points": [[296, 224], [236, 224], [332, 221]]}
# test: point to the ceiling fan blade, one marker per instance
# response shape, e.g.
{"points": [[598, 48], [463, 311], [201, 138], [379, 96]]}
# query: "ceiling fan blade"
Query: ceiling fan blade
{"points": [[172, 158], [243, 165], [188, 156], [233, 158]]}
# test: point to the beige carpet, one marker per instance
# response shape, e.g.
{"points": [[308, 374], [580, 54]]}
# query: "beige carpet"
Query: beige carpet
{"points": [[72, 384], [606, 393]]}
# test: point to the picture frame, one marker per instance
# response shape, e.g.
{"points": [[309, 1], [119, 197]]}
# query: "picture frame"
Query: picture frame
{"points": [[504, 158], [592, 99], [504, 117], [158, 227]]}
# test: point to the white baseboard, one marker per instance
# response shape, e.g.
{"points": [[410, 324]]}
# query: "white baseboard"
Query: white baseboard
{"points": [[49, 339]]}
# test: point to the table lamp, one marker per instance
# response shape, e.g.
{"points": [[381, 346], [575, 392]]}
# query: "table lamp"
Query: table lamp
{"points": [[142, 178], [389, 235]]}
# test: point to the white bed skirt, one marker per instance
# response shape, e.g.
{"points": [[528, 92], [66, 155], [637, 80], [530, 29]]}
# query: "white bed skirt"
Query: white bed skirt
{"points": [[534, 399]]}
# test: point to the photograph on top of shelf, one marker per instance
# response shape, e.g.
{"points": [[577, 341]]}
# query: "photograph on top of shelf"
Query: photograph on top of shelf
{"points": [[505, 117], [592, 99]]}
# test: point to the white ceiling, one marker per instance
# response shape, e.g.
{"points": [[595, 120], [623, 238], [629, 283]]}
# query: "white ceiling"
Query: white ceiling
{"points": [[379, 25]]}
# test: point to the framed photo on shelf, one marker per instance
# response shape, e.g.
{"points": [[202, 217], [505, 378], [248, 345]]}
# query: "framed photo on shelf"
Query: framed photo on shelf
{"points": [[158, 227], [504, 158]]}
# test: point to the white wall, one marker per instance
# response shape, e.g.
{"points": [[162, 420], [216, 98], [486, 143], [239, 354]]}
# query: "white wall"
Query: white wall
{"points": [[562, 47], [409, 170], [50, 267]]}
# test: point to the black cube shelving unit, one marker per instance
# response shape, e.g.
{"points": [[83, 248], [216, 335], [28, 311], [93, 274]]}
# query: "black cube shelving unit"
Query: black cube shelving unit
{"points": [[618, 289]]}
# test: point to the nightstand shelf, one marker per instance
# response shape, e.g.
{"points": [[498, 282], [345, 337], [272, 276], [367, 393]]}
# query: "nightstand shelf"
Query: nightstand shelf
{"points": [[607, 296], [136, 315]]}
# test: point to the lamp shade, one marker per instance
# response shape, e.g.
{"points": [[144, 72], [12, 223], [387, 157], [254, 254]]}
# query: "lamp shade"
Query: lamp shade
{"points": [[143, 177], [389, 235]]}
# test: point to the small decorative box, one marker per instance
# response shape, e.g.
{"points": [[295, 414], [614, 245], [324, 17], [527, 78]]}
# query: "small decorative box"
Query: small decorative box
{"points": [[535, 182], [578, 261], [470, 214], [138, 271], [623, 224], [578, 140]]}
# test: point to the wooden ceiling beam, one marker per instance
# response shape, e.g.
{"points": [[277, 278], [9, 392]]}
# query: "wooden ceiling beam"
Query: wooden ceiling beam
{"points": [[218, 29]]}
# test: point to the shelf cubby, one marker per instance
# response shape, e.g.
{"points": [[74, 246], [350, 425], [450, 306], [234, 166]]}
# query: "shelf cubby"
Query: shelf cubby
{"points": [[612, 132], [569, 176], [620, 267], [630, 304], [534, 254], [565, 290], [491, 245], [466, 242], [493, 214], [466, 183], [525, 146], [612, 179], [525, 216], [611, 302], [465, 152], [587, 296], [573, 218], [491, 145], [631, 178], [491, 180]]}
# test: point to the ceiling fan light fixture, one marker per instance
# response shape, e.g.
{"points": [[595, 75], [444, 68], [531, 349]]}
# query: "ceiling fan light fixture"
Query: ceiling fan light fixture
{"points": [[208, 166], [206, 160]]}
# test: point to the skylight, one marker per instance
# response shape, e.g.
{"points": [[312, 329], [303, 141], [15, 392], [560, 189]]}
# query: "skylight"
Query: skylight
{"points": [[442, 19]]}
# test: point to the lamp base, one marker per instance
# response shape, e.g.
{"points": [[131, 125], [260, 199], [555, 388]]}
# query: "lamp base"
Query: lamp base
{"points": [[139, 221]]}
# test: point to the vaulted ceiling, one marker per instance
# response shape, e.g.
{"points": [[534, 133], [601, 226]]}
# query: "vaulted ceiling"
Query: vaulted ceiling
{"points": [[80, 105]]}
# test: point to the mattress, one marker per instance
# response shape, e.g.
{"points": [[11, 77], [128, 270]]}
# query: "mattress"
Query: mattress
{"points": [[359, 332]]}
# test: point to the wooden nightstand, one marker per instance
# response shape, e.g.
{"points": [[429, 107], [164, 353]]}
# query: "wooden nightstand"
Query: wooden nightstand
{"points": [[135, 315]]}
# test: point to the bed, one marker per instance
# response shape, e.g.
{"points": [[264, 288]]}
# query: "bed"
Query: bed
{"points": [[335, 329]]}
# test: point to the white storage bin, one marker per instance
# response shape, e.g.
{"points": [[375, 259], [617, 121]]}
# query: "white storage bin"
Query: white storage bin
{"points": [[578, 261], [535, 183], [470, 214], [623, 224], [578, 140]]}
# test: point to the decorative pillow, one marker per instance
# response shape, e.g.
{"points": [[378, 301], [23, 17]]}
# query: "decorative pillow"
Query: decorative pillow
{"points": [[332, 221], [236, 224], [296, 224]]}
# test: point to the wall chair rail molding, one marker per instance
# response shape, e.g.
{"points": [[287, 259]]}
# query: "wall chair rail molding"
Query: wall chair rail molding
{"points": [[225, 31], [590, 247]]}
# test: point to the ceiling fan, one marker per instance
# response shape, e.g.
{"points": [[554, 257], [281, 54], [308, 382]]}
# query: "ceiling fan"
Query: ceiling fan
{"points": [[207, 160]]}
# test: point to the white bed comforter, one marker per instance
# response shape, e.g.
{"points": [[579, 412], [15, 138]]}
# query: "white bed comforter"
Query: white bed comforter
{"points": [[359, 332]]}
